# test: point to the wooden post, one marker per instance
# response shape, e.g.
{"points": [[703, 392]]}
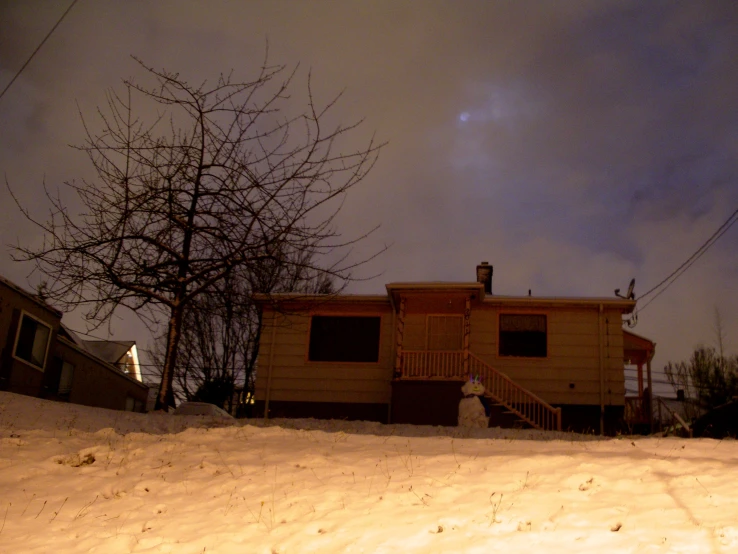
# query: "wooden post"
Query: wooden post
{"points": [[601, 347], [640, 379], [269, 367], [467, 333], [399, 334], [650, 393]]}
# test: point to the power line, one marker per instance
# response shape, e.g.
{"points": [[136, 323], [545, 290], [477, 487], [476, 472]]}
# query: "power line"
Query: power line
{"points": [[37, 49], [674, 275]]}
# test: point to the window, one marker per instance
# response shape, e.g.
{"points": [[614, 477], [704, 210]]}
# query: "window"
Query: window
{"points": [[344, 339], [444, 332], [65, 380], [523, 335], [32, 341], [134, 404]]}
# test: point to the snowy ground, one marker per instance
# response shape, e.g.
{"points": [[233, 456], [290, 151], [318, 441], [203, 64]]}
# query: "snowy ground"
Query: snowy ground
{"points": [[77, 479]]}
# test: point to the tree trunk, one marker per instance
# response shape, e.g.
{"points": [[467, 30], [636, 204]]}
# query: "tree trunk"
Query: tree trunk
{"points": [[165, 399]]}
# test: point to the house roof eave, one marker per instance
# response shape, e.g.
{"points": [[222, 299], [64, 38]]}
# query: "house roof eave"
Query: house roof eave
{"points": [[34, 298]]}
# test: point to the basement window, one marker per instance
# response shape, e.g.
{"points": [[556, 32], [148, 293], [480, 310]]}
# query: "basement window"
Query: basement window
{"points": [[344, 338], [523, 335], [32, 341]]}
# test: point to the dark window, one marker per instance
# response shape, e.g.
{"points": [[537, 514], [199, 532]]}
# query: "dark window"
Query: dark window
{"points": [[523, 335], [65, 379], [32, 341], [344, 339]]}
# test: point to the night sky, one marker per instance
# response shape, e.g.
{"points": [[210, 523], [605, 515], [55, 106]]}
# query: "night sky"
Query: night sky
{"points": [[573, 145]]}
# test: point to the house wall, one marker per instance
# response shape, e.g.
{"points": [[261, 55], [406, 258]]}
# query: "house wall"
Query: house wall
{"points": [[417, 309], [568, 376], [295, 379], [97, 384], [94, 382], [573, 353], [16, 375]]}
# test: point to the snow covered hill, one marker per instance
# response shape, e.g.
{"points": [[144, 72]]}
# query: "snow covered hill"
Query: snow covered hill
{"points": [[78, 479]]}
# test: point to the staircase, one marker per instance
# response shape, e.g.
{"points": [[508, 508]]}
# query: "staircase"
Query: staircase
{"points": [[502, 390], [536, 412]]}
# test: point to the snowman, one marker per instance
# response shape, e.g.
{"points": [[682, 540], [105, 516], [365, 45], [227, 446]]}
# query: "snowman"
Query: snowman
{"points": [[474, 407]]}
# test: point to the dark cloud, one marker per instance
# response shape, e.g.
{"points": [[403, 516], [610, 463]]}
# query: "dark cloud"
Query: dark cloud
{"points": [[572, 144]]}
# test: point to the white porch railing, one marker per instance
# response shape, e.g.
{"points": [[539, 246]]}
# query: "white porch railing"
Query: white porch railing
{"points": [[432, 364]]}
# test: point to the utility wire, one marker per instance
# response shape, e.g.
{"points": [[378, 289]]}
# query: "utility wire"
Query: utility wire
{"points": [[37, 49], [716, 235], [674, 275]]}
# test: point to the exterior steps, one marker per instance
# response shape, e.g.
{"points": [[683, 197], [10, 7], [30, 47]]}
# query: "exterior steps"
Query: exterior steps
{"points": [[500, 416]]}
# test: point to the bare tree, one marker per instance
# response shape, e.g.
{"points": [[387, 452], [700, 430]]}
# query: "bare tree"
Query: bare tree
{"points": [[708, 378], [223, 179], [222, 327], [219, 333]]}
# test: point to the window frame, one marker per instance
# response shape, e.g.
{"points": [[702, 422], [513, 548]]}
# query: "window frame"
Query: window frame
{"points": [[24, 313], [499, 337], [343, 314], [66, 392]]}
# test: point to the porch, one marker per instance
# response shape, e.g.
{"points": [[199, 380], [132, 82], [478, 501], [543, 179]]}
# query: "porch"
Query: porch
{"points": [[445, 355], [639, 351], [455, 366]]}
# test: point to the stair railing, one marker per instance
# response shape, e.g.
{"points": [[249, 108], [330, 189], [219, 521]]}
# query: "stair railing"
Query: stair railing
{"points": [[527, 406]]}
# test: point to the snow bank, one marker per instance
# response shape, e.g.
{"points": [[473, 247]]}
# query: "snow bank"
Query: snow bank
{"points": [[78, 479]]}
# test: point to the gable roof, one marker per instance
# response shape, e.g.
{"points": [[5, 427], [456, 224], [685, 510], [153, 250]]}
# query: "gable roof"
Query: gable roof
{"points": [[108, 350]]}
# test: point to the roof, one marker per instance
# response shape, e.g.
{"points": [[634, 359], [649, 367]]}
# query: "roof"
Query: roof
{"points": [[393, 289], [436, 285], [110, 351], [637, 349], [107, 350], [33, 297], [262, 298], [625, 305]]}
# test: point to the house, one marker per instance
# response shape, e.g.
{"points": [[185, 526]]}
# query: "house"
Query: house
{"points": [[121, 354], [40, 357], [401, 357]]}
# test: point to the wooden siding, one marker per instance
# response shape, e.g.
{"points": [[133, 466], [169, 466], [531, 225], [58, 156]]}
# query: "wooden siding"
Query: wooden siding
{"points": [[97, 384], [572, 357], [414, 338], [295, 378], [16, 375]]}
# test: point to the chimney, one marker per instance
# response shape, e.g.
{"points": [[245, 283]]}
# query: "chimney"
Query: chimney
{"points": [[484, 275]]}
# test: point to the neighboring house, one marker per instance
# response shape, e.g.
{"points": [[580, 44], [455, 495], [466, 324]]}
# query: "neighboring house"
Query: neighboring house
{"points": [[40, 357], [401, 357], [121, 354]]}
